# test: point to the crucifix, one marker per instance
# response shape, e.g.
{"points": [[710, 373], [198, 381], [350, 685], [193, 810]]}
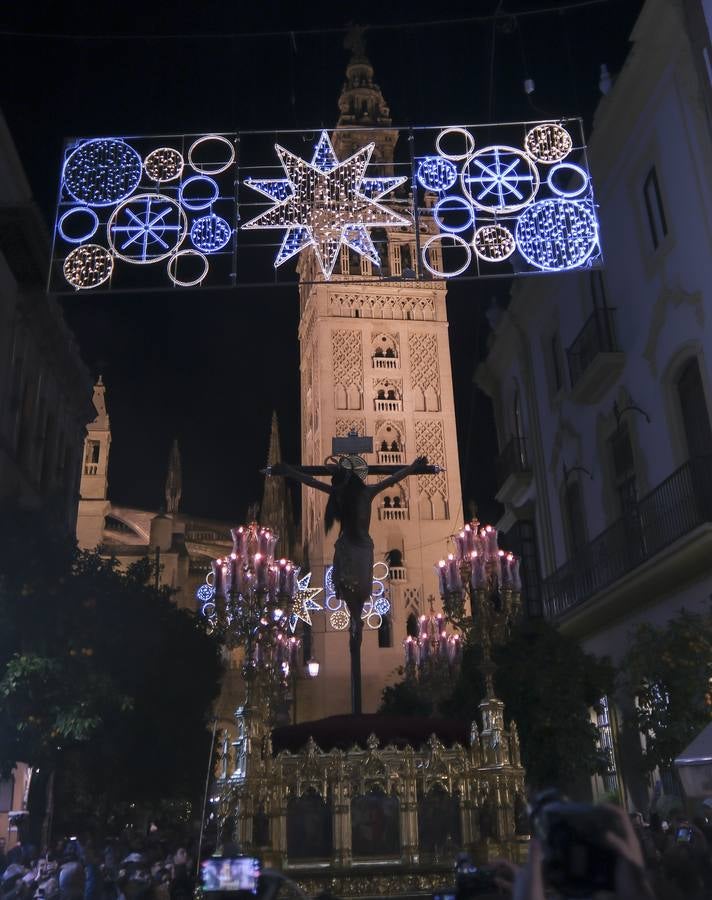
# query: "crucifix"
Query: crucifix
{"points": [[349, 504]]}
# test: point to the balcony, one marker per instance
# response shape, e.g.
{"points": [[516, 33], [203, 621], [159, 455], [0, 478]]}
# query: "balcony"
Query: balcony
{"points": [[392, 514], [91, 468], [397, 573], [388, 405], [390, 457], [514, 473], [665, 540], [385, 362], [595, 360]]}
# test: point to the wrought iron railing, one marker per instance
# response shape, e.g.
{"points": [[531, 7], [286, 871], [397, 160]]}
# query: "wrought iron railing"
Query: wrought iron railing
{"points": [[512, 460], [671, 510], [598, 335]]}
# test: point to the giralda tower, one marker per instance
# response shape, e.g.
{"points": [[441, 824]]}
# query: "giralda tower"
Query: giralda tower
{"points": [[375, 359]]}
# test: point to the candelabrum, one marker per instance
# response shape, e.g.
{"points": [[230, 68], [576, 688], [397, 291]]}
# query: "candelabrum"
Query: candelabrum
{"points": [[247, 600], [433, 646], [489, 578]]}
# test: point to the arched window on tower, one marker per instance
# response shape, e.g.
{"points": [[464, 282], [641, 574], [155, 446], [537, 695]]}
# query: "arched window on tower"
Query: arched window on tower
{"points": [[411, 625]]}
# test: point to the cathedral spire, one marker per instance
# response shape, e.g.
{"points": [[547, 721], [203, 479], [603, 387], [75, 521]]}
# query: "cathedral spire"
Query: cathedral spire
{"points": [[276, 507], [174, 480], [362, 105]]}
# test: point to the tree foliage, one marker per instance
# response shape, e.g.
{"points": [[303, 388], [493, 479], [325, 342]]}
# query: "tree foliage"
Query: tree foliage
{"points": [[102, 677], [669, 670]]}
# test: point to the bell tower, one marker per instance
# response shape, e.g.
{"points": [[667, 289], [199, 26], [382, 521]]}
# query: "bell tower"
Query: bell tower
{"points": [[93, 502], [375, 360]]}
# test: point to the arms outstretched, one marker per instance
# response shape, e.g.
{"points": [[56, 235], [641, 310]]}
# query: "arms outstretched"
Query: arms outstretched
{"points": [[288, 471], [414, 468]]}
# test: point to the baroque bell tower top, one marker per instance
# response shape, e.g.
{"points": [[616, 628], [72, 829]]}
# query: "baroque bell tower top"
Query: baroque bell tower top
{"points": [[362, 106]]}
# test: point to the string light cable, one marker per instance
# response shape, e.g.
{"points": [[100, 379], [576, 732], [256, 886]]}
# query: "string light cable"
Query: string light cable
{"points": [[291, 34]]}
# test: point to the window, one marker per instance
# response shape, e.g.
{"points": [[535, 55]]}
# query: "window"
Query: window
{"points": [[7, 790], [411, 626], [91, 457], [575, 516], [522, 541], [693, 409], [626, 487], [396, 268], [654, 208]]}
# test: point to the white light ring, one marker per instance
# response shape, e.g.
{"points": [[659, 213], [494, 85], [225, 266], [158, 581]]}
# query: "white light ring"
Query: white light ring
{"points": [[176, 281], [109, 261], [192, 205], [208, 609], [73, 211], [453, 237], [506, 208], [210, 578], [491, 259], [456, 157], [567, 195], [161, 256], [146, 164], [369, 623], [386, 570], [207, 169], [377, 589], [448, 228], [339, 602]]}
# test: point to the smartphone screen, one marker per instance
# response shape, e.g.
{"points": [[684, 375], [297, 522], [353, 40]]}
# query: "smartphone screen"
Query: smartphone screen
{"points": [[231, 874], [684, 834]]}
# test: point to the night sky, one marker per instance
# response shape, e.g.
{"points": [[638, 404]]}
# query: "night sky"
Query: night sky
{"points": [[209, 367]]}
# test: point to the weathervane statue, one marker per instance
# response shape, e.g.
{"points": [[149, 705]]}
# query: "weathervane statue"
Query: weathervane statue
{"points": [[349, 504]]}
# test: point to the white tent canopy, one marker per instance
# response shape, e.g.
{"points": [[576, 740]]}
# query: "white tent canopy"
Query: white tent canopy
{"points": [[694, 765]]}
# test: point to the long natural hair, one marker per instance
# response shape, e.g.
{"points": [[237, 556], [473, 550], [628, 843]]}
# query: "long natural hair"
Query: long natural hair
{"points": [[343, 483]]}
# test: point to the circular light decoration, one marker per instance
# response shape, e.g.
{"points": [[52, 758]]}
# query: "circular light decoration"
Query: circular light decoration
{"points": [[339, 620], [567, 168], [500, 179], [333, 602], [101, 172], [196, 203], [436, 174], [164, 164], [205, 593], [493, 243], [88, 266], [382, 606], [380, 571], [557, 234], [456, 241], [187, 254], [453, 204], [208, 610], [217, 166], [210, 233], [73, 213], [146, 228], [548, 143], [370, 617], [455, 157]]}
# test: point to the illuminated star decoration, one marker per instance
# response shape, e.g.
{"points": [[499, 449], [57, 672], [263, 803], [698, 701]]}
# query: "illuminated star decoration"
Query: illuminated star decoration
{"points": [[303, 603], [326, 204]]}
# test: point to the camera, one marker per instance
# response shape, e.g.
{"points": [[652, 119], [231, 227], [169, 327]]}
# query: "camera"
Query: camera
{"points": [[683, 835], [576, 859]]}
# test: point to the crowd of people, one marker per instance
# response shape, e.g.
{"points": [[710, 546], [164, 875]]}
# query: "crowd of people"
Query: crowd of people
{"points": [[127, 869]]}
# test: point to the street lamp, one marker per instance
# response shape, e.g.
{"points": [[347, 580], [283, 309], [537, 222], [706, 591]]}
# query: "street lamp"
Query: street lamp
{"points": [[312, 668]]}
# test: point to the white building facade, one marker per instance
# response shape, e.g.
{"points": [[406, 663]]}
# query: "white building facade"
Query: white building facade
{"points": [[602, 380]]}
